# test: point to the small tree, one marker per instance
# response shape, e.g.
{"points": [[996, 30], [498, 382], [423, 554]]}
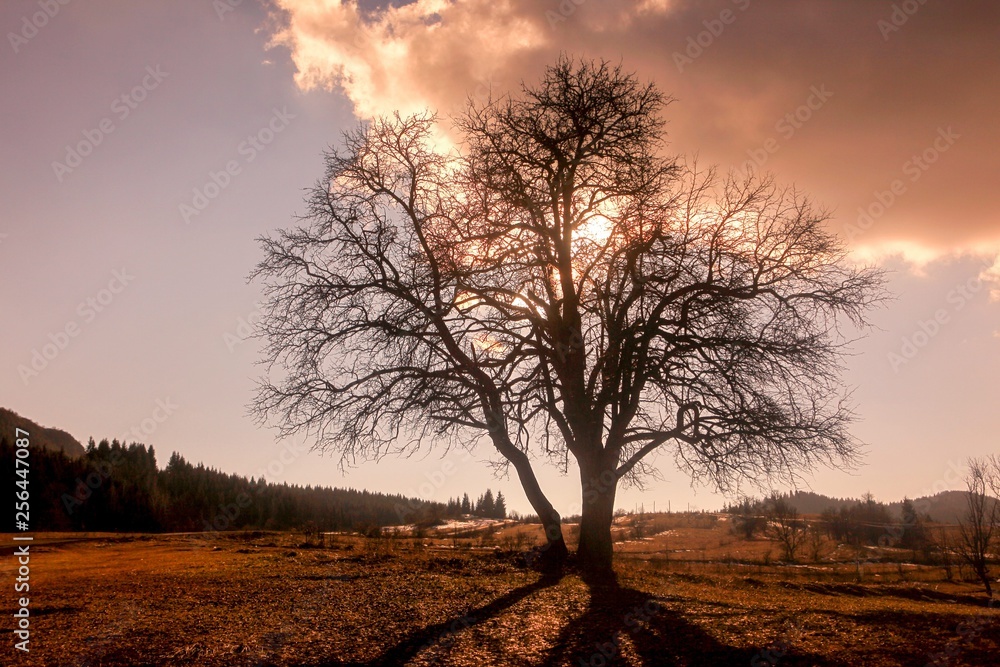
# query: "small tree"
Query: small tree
{"points": [[979, 526], [835, 523], [914, 534], [748, 519], [945, 551], [466, 504], [785, 526], [816, 542]]}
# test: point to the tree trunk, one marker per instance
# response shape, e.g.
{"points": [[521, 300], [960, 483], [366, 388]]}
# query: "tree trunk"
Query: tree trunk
{"points": [[596, 552], [554, 553], [983, 572]]}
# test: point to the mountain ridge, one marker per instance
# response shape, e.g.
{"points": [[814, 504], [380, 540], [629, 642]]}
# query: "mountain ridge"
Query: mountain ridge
{"points": [[942, 507], [52, 439]]}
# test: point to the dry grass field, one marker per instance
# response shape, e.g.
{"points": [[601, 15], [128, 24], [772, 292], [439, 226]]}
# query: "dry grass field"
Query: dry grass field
{"points": [[688, 593]]}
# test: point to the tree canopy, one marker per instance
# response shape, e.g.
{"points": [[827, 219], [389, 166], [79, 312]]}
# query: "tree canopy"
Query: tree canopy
{"points": [[562, 287]]}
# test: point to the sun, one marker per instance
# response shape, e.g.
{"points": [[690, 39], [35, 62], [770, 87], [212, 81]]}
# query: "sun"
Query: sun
{"points": [[596, 228]]}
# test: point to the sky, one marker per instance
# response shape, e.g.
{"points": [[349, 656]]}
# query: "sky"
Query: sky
{"points": [[146, 146]]}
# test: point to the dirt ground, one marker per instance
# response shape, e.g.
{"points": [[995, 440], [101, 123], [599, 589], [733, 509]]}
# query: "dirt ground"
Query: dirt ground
{"points": [[265, 599]]}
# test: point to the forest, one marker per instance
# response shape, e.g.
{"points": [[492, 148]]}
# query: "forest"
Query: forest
{"points": [[118, 487]]}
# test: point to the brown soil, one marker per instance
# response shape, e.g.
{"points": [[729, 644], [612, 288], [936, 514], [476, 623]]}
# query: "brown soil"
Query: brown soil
{"points": [[266, 600]]}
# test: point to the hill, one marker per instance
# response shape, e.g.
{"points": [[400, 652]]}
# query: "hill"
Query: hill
{"points": [[52, 439], [944, 507]]}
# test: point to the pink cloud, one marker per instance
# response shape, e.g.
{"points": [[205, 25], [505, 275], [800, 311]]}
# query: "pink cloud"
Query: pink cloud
{"points": [[740, 71]]}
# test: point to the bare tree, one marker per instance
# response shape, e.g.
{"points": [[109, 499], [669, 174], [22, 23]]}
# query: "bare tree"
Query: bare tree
{"points": [[981, 523], [816, 538], [560, 288], [748, 518], [785, 526]]}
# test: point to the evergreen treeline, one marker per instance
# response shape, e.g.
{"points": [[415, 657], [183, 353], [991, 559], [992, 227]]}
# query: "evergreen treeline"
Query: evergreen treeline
{"points": [[942, 507], [486, 507], [865, 522], [114, 487]]}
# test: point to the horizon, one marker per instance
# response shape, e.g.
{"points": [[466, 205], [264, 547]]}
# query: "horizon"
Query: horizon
{"points": [[150, 145], [954, 477]]}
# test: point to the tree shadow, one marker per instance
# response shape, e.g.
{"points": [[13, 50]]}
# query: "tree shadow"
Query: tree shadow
{"points": [[617, 616], [443, 633]]}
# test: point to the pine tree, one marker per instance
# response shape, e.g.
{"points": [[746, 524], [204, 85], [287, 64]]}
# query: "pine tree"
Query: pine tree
{"points": [[914, 533], [485, 507], [500, 507], [466, 505]]}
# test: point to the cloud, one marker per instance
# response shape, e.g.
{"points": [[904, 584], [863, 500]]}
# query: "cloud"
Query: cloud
{"points": [[742, 73], [435, 53], [427, 54], [991, 276]]}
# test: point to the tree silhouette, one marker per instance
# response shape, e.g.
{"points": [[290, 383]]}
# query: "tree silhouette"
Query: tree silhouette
{"points": [[980, 525], [785, 525], [914, 533], [559, 286], [484, 506], [500, 507]]}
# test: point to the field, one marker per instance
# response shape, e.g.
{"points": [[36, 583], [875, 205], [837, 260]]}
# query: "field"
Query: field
{"points": [[689, 592]]}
